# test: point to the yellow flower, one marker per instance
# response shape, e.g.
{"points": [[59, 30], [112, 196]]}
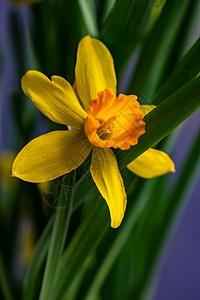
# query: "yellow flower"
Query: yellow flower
{"points": [[106, 121]]}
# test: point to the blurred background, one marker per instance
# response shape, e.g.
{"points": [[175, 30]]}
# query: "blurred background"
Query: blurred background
{"points": [[180, 268]]}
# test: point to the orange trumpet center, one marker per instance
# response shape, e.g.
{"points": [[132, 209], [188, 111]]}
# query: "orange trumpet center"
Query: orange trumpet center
{"points": [[114, 121]]}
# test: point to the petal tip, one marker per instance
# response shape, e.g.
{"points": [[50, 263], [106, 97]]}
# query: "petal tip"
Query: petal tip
{"points": [[116, 225], [117, 222], [172, 165], [173, 169]]}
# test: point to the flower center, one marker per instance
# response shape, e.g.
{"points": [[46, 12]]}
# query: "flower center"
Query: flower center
{"points": [[114, 121], [105, 128]]}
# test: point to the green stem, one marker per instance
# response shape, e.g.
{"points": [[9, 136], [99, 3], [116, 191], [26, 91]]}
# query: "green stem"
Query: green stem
{"points": [[59, 233], [4, 281]]}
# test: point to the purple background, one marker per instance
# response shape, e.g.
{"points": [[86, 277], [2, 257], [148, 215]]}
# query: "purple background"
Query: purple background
{"points": [[179, 277], [180, 270]]}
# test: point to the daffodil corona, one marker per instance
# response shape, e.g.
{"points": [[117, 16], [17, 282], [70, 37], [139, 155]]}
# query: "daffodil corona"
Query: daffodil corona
{"points": [[101, 120], [114, 122]]}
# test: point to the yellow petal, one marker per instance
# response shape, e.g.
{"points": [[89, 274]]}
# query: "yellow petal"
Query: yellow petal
{"points": [[51, 155], [105, 173], [152, 163], [56, 99], [94, 70], [147, 108]]}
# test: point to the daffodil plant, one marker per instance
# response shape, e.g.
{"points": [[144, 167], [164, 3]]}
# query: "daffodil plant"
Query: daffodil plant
{"points": [[97, 119]]}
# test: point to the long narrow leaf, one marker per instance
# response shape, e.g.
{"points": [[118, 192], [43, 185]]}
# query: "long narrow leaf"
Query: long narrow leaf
{"points": [[126, 23], [86, 239], [162, 223], [157, 46], [185, 39], [164, 118], [88, 12], [33, 273], [123, 234], [186, 69], [60, 228]]}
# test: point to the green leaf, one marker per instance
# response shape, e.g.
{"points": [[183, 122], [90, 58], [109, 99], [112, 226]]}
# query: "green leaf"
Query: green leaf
{"points": [[137, 201], [125, 27], [34, 270], [59, 233], [43, 25], [91, 231], [85, 188], [187, 68], [148, 218], [168, 115], [140, 257], [89, 15], [69, 29], [57, 29], [135, 209], [75, 286], [185, 39], [186, 178], [135, 265], [105, 7], [158, 7], [168, 209], [157, 47], [87, 237]]}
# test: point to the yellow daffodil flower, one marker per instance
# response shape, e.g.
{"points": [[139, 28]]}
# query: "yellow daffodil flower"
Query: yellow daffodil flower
{"points": [[100, 121]]}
